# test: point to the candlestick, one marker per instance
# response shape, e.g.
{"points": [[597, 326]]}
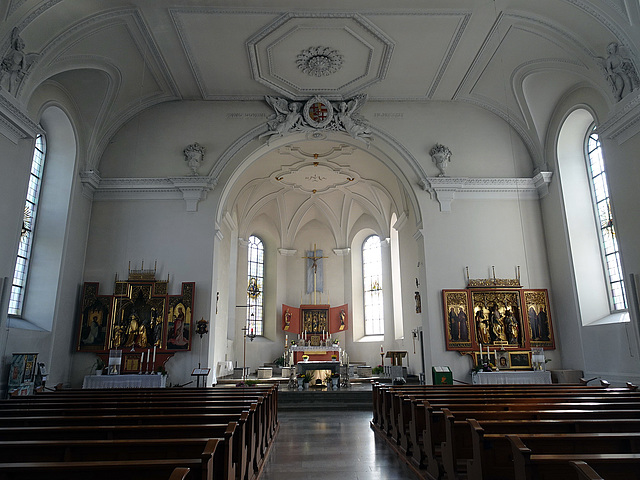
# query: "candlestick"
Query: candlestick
{"points": [[154, 354], [141, 361], [148, 362]]}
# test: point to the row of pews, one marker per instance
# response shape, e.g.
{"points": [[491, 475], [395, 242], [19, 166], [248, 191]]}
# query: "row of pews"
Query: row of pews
{"points": [[176, 434], [512, 432]]}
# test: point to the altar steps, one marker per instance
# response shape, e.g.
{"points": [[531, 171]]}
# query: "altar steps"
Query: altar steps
{"points": [[312, 399]]}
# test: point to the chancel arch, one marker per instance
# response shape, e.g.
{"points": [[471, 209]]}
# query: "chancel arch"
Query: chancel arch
{"points": [[300, 195]]}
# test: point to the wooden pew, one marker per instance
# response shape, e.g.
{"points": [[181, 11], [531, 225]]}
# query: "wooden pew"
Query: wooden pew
{"points": [[585, 472], [247, 451], [458, 445], [492, 453], [409, 433], [229, 464], [153, 406], [180, 473], [120, 469], [546, 466], [178, 450]]}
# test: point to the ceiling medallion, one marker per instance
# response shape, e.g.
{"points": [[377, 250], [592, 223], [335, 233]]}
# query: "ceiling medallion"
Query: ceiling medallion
{"points": [[319, 61], [318, 112]]}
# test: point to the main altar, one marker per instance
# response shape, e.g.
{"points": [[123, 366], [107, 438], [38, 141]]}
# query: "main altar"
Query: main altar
{"points": [[313, 329]]}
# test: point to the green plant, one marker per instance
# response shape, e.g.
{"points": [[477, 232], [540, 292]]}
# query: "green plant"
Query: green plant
{"points": [[377, 370], [307, 377], [279, 361], [161, 370]]}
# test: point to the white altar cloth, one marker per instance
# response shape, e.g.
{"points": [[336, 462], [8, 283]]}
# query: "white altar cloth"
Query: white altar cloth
{"points": [[510, 377], [124, 381]]}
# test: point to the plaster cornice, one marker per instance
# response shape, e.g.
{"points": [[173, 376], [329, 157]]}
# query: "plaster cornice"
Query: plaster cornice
{"points": [[14, 124], [446, 189], [624, 123], [190, 189]]}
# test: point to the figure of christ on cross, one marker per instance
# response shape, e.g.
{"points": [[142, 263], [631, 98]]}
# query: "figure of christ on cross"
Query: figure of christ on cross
{"points": [[315, 259]]}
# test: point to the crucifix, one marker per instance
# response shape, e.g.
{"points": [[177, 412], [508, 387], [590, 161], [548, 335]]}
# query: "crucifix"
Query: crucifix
{"points": [[315, 259]]}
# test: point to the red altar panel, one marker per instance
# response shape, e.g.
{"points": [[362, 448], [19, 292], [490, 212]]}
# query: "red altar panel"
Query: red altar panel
{"points": [[291, 319], [338, 319]]}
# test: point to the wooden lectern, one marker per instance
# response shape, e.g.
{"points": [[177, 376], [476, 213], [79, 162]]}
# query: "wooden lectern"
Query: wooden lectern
{"points": [[396, 357]]}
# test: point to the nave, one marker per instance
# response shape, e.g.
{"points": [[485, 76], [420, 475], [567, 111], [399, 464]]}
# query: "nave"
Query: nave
{"points": [[331, 444]]}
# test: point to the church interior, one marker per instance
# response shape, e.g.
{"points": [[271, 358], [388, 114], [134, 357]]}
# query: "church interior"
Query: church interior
{"points": [[217, 183]]}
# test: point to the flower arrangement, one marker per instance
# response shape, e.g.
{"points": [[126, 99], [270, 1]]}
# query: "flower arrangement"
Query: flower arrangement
{"points": [[161, 370], [305, 358], [334, 357]]}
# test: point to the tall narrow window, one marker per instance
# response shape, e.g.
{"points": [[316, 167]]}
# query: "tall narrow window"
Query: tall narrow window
{"points": [[604, 218], [255, 282], [372, 283], [16, 299]]}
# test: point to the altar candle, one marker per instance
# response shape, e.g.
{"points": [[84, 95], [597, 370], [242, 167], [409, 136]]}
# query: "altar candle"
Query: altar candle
{"points": [[381, 350], [141, 361], [154, 355], [148, 359]]}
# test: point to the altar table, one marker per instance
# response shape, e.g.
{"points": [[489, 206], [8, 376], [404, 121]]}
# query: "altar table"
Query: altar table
{"points": [[315, 353], [510, 377], [125, 381], [303, 367]]}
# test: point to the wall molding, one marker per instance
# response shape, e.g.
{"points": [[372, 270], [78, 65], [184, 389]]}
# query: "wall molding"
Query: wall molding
{"points": [[192, 189], [446, 189]]}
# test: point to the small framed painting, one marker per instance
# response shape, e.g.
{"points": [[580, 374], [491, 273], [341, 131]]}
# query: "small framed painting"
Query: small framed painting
{"points": [[520, 360]]}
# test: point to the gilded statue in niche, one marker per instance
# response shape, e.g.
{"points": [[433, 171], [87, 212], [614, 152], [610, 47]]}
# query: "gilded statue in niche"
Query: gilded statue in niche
{"points": [[497, 318]]}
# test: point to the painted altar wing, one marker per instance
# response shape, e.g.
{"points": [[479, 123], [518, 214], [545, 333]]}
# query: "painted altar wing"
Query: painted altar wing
{"points": [[291, 319]]}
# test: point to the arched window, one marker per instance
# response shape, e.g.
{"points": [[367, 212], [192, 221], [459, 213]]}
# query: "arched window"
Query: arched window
{"points": [[372, 286], [16, 299], [604, 219], [255, 283]]}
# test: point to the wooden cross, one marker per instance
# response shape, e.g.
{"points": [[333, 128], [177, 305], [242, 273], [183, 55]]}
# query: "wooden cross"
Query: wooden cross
{"points": [[315, 259]]}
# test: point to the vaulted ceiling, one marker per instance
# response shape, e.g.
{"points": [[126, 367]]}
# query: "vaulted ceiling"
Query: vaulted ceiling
{"points": [[514, 58]]}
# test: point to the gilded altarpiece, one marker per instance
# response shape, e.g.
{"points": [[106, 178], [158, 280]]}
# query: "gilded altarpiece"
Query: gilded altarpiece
{"points": [[497, 318], [139, 316], [503, 318]]}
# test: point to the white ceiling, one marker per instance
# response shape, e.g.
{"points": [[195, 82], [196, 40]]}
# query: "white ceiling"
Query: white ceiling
{"points": [[514, 58]]}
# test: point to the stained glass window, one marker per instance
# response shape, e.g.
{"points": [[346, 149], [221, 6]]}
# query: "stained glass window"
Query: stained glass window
{"points": [[372, 278], [604, 218], [16, 298]]}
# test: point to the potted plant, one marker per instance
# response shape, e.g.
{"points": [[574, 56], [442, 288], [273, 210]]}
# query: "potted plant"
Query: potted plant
{"points": [[98, 366], [306, 380], [300, 379], [160, 370], [305, 358], [335, 380]]}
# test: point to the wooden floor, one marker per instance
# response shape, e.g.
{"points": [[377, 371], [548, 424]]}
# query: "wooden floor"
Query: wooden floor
{"points": [[331, 444]]}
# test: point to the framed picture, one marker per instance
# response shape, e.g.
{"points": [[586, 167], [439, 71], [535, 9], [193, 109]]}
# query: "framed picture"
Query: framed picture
{"points": [[456, 320], [520, 360], [95, 319], [503, 362], [538, 318], [180, 316], [131, 363], [497, 318]]}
